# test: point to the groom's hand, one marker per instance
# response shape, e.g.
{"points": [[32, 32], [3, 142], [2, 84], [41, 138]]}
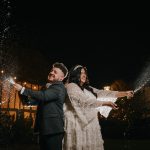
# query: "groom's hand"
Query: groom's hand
{"points": [[18, 87]]}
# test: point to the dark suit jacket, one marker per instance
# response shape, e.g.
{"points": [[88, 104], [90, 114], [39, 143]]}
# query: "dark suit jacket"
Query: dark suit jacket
{"points": [[50, 116]]}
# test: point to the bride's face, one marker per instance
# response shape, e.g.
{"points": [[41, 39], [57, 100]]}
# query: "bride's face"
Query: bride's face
{"points": [[83, 76]]}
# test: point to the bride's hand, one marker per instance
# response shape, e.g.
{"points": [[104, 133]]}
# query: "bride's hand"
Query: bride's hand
{"points": [[110, 104], [130, 94]]}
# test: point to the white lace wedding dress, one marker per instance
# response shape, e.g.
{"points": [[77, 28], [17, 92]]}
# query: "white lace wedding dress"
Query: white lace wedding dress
{"points": [[82, 129]]}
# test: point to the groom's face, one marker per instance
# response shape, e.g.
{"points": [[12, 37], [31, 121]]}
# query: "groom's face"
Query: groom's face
{"points": [[55, 75]]}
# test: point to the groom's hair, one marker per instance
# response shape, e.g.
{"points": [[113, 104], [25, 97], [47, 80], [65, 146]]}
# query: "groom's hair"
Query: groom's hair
{"points": [[62, 67]]}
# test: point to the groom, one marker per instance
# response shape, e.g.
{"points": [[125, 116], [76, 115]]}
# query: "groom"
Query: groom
{"points": [[49, 118]]}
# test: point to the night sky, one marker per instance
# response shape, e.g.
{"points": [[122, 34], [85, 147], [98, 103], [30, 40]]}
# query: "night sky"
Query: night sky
{"points": [[109, 51]]}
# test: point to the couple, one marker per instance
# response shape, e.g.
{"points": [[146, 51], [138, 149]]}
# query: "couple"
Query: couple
{"points": [[77, 122]]}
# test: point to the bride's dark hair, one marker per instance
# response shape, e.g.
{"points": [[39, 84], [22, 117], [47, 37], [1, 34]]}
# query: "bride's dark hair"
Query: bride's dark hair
{"points": [[74, 77]]}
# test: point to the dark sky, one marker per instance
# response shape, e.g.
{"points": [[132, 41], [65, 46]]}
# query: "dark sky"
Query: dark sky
{"points": [[109, 51]]}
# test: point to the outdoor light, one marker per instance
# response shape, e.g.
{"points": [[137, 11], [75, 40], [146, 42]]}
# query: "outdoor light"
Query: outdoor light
{"points": [[34, 87], [25, 83], [107, 88]]}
